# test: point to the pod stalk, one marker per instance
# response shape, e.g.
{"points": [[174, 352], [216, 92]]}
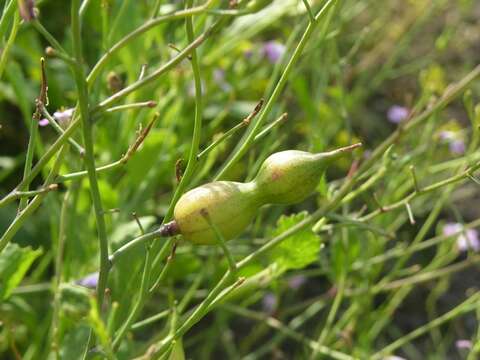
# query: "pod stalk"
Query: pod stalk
{"points": [[169, 229]]}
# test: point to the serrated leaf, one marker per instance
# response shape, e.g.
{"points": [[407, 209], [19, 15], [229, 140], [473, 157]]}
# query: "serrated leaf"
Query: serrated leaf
{"points": [[14, 264], [298, 250]]}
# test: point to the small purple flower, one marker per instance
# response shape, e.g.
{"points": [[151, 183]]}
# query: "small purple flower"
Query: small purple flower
{"points": [[295, 282], [457, 146], [90, 281], [396, 114], [463, 344], [64, 117], [43, 122], [466, 239], [269, 302], [274, 51]]}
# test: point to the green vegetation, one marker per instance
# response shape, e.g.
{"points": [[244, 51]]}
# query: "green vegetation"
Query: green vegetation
{"points": [[113, 109]]}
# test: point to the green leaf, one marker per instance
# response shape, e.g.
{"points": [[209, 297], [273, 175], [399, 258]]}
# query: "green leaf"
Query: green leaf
{"points": [[298, 250], [14, 263]]}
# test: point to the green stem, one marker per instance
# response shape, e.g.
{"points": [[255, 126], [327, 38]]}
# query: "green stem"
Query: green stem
{"points": [[32, 205], [250, 136], [49, 37], [468, 305], [58, 275], [142, 296], [139, 31], [89, 152], [197, 130], [60, 130], [6, 16], [9, 44]]}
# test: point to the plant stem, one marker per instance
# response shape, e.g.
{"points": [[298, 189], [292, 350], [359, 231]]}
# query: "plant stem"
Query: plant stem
{"points": [[253, 129], [89, 153], [468, 305], [139, 31], [9, 44], [32, 205]]}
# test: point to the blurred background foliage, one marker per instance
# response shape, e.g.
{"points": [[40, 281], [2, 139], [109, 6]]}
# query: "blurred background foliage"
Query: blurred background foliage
{"points": [[368, 64]]}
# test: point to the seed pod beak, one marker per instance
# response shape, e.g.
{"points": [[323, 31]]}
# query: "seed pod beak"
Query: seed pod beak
{"points": [[340, 151]]}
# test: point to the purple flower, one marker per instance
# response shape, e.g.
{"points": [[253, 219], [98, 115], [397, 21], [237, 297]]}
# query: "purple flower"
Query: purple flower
{"points": [[64, 117], [295, 282], [466, 239], [43, 122], [396, 114], [269, 302], [90, 281], [463, 344], [274, 51], [455, 144]]}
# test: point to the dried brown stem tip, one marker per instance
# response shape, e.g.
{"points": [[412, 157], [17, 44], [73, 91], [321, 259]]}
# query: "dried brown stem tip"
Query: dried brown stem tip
{"points": [[344, 149], [254, 113], [169, 229]]}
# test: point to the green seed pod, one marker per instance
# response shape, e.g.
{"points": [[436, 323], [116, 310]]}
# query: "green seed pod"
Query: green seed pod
{"points": [[285, 177]]}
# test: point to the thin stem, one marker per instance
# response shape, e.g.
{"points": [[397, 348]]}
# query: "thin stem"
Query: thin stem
{"points": [[331, 316], [287, 331], [253, 130], [6, 16], [221, 241], [42, 98], [60, 130], [139, 31], [166, 230], [427, 189], [233, 130], [160, 71], [309, 10], [58, 275], [468, 305], [164, 271], [150, 320], [197, 127], [270, 126], [50, 38], [84, 7], [31, 193], [142, 295], [137, 105], [9, 44], [403, 251], [32, 205], [89, 153]]}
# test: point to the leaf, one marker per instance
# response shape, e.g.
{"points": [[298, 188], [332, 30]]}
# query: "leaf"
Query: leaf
{"points": [[14, 264], [298, 250]]}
